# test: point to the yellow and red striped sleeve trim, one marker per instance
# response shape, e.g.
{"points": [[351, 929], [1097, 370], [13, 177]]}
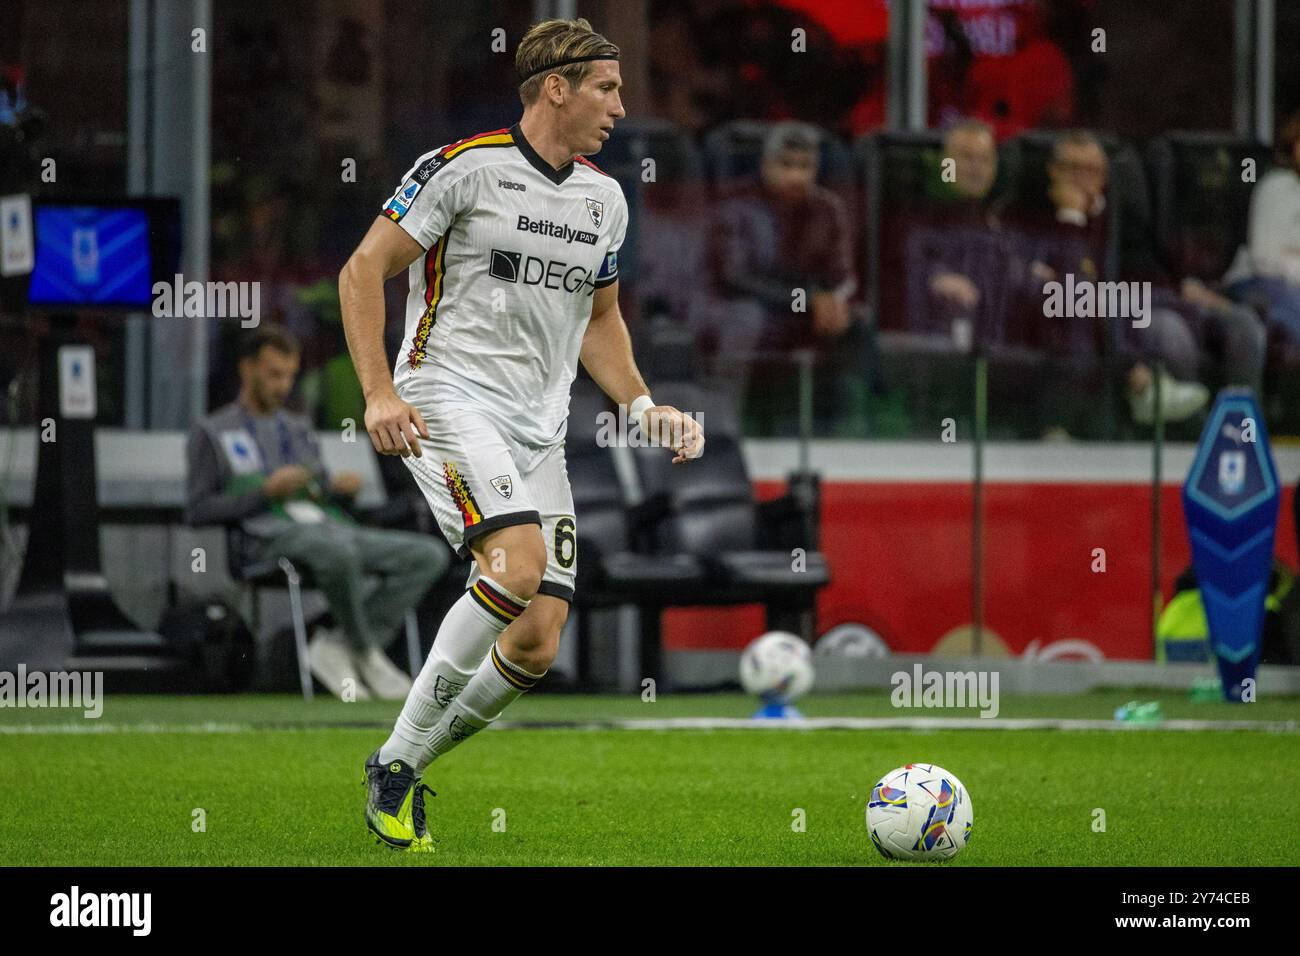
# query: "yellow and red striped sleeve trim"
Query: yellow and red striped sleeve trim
{"points": [[435, 269], [500, 137], [435, 260]]}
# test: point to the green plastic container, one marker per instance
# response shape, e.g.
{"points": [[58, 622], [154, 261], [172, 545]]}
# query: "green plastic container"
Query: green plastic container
{"points": [[1140, 712]]}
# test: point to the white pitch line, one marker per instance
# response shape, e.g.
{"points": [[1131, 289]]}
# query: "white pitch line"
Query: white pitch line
{"points": [[95, 726], [695, 723], [905, 723]]}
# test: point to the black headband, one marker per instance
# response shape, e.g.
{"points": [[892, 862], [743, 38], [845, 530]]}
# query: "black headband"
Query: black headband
{"points": [[577, 59]]}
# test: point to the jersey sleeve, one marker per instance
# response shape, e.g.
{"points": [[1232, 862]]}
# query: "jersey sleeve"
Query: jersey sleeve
{"points": [[608, 273], [427, 201]]}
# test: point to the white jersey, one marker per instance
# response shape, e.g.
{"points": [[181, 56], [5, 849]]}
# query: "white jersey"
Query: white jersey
{"points": [[499, 303]]}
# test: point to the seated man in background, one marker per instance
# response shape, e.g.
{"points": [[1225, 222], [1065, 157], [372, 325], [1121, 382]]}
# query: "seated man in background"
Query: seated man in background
{"points": [[1202, 337], [256, 465], [955, 257], [779, 261], [1195, 332]]}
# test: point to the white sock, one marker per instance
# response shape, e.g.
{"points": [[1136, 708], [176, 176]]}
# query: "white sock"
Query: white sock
{"points": [[469, 629], [492, 688]]}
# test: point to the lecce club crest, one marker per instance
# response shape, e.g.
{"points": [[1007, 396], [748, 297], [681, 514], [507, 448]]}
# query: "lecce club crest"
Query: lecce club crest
{"points": [[597, 210], [502, 484]]}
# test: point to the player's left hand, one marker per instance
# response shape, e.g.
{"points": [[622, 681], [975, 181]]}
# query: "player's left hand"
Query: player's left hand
{"points": [[676, 430]]}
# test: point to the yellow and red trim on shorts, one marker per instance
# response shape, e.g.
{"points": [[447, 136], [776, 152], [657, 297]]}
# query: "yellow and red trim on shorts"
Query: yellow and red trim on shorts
{"points": [[461, 496]]}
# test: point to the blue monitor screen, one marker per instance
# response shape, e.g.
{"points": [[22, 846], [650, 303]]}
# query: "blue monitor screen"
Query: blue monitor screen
{"points": [[92, 255]]}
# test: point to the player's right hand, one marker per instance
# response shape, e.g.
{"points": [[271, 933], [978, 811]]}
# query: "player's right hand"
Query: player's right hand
{"points": [[393, 426]]}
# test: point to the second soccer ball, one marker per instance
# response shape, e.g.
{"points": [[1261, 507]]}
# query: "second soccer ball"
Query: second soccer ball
{"points": [[777, 666]]}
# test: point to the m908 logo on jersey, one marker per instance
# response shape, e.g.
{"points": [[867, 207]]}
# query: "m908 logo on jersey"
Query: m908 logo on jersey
{"points": [[547, 273]]}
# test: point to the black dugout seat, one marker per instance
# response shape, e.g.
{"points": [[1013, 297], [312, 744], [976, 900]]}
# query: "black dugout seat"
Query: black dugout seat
{"points": [[696, 537], [611, 571], [1202, 200]]}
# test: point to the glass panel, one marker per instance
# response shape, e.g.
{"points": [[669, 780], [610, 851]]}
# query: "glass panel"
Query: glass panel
{"points": [[1066, 527], [305, 149], [53, 53], [722, 61], [1026, 64]]}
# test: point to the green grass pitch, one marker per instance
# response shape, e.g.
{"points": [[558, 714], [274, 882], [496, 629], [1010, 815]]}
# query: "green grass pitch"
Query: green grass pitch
{"points": [[279, 783]]}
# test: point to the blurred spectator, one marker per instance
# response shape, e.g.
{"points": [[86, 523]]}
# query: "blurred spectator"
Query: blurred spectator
{"points": [[1200, 335], [1077, 178], [996, 60], [861, 29], [1064, 235], [956, 259], [1195, 332], [254, 466], [724, 60], [690, 90], [778, 243], [1266, 272]]}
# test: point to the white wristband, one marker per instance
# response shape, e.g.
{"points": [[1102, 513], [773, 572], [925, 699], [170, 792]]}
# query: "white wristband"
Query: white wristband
{"points": [[638, 408]]}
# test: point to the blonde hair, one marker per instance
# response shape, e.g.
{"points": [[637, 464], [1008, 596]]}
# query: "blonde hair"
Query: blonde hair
{"points": [[551, 41]]}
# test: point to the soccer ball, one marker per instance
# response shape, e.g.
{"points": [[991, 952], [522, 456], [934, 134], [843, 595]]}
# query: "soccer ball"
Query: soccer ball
{"points": [[919, 812], [777, 665]]}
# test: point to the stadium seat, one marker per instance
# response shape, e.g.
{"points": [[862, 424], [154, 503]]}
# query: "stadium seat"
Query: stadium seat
{"points": [[262, 573], [661, 261], [1201, 201], [677, 182], [707, 510], [676, 160], [693, 537], [246, 568], [611, 572]]}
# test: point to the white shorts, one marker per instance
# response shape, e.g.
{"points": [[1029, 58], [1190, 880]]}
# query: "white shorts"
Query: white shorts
{"points": [[477, 480]]}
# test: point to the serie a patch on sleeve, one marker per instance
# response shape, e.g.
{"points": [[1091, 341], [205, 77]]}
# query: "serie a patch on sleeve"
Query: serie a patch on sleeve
{"points": [[401, 202], [608, 268]]}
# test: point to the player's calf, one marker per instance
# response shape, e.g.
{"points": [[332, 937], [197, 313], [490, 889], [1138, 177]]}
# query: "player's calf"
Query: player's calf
{"points": [[496, 684], [534, 639], [468, 631], [515, 664]]}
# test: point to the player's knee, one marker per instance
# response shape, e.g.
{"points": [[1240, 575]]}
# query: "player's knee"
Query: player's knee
{"points": [[522, 578], [515, 558]]}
